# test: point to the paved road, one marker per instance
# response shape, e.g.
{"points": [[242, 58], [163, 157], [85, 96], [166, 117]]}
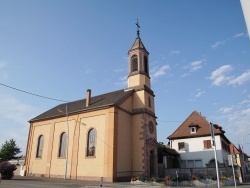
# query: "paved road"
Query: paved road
{"points": [[37, 182]]}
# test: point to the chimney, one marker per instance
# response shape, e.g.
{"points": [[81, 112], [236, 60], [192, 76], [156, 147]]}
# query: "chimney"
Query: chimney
{"points": [[88, 97]]}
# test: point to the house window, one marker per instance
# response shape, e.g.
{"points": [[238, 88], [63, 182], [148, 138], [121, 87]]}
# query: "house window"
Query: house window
{"points": [[39, 150], [207, 144], [191, 163], [183, 164], [134, 63], [91, 142], [197, 163], [62, 145], [192, 130], [181, 145]]}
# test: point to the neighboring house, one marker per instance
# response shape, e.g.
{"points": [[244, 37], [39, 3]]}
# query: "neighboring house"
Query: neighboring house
{"points": [[167, 158], [236, 160], [112, 135], [19, 164], [234, 151], [171, 158], [192, 140]]}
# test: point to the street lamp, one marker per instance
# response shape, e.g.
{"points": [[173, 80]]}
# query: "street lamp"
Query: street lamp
{"points": [[215, 154], [67, 141], [243, 169]]}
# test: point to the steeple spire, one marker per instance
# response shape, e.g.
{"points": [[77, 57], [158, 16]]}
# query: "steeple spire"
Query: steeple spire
{"points": [[138, 27], [138, 43], [138, 63]]}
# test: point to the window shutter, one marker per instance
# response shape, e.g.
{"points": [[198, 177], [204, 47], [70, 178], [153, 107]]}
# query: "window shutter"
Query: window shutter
{"points": [[207, 144]]}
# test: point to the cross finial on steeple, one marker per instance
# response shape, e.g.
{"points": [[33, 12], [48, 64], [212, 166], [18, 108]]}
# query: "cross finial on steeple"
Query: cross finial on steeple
{"points": [[138, 31]]}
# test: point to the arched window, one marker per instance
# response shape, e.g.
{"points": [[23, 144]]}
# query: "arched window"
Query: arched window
{"points": [[62, 145], [39, 150], [91, 142], [145, 64], [134, 63]]}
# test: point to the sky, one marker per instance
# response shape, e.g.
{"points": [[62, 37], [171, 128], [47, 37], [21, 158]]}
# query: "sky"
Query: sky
{"points": [[199, 59]]}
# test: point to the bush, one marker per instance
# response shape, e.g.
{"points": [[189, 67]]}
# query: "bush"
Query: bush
{"points": [[142, 177], [6, 170]]}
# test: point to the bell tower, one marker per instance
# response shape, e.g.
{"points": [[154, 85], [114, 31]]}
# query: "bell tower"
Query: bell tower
{"points": [[143, 122], [138, 63]]}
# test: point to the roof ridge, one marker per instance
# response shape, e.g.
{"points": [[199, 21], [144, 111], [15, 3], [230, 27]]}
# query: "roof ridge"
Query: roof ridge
{"points": [[102, 100], [182, 124]]}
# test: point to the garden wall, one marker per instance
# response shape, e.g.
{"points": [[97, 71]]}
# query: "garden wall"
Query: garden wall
{"points": [[197, 171]]}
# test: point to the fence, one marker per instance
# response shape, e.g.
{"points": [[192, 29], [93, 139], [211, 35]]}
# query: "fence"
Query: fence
{"points": [[205, 172]]}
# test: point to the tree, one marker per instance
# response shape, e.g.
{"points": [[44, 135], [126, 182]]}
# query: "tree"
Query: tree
{"points": [[7, 170], [161, 151], [9, 150], [170, 153]]}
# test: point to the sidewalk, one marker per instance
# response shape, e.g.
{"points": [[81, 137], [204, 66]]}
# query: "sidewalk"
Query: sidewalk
{"points": [[40, 182]]}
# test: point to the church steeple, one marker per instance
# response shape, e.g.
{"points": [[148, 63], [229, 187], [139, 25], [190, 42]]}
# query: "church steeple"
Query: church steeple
{"points": [[138, 63]]}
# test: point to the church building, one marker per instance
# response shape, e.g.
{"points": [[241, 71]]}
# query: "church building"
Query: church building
{"points": [[111, 136]]}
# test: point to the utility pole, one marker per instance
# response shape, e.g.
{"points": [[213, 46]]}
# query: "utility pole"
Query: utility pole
{"points": [[215, 155]]}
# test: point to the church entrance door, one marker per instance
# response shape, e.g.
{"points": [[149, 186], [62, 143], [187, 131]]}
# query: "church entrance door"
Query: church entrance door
{"points": [[151, 164]]}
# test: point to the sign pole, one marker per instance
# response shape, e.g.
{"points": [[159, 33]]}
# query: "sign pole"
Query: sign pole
{"points": [[215, 155]]}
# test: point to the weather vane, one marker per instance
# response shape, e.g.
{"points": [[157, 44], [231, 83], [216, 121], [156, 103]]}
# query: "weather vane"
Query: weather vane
{"points": [[138, 31]]}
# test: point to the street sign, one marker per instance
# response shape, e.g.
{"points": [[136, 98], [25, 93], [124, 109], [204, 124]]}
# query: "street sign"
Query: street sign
{"points": [[232, 159]]}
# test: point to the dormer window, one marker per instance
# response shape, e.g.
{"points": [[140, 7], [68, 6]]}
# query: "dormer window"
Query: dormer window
{"points": [[192, 130]]}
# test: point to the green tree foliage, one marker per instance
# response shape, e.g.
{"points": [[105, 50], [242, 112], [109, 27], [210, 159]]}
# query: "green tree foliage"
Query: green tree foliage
{"points": [[161, 151], [9, 150]]}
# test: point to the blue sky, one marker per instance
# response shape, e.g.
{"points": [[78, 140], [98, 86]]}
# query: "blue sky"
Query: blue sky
{"points": [[199, 59]]}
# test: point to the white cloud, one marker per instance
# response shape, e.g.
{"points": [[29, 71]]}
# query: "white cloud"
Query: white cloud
{"points": [[185, 74], [220, 75], [194, 66], [235, 120], [120, 70], [14, 115], [225, 110], [222, 42], [122, 81], [217, 44], [3, 64], [174, 52], [239, 35], [199, 93], [239, 80], [15, 110], [3, 74], [159, 71]]}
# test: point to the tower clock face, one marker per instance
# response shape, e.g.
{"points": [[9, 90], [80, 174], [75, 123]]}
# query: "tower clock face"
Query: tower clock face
{"points": [[151, 127]]}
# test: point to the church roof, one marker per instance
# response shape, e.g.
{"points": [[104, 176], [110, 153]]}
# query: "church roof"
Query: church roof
{"points": [[79, 106], [138, 44], [202, 127]]}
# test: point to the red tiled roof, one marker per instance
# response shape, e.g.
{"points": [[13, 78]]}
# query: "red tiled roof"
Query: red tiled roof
{"points": [[195, 119], [233, 149]]}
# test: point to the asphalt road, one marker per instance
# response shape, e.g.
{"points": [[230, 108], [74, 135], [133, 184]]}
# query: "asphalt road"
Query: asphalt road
{"points": [[39, 182]]}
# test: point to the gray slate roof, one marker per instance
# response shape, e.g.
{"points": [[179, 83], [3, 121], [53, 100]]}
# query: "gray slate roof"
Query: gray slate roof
{"points": [[104, 100]]}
